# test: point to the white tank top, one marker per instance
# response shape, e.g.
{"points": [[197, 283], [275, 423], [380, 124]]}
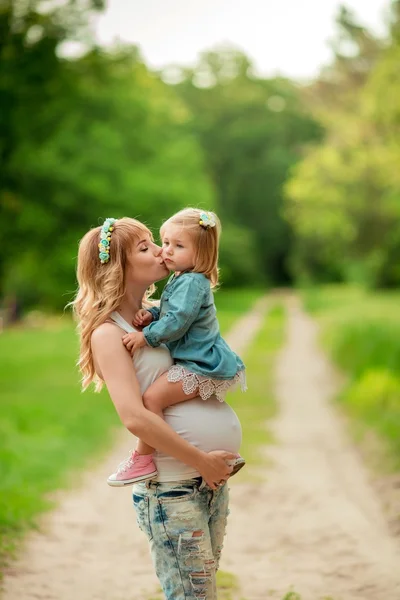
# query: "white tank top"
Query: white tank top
{"points": [[208, 425]]}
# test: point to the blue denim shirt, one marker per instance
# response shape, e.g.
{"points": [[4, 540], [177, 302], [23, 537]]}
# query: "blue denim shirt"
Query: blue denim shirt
{"points": [[187, 323]]}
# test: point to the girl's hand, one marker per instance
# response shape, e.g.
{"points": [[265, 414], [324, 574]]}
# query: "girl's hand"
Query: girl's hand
{"points": [[215, 469], [133, 341], [142, 318]]}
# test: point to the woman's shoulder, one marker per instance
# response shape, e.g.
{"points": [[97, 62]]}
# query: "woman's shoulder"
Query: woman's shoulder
{"points": [[107, 348], [106, 333]]}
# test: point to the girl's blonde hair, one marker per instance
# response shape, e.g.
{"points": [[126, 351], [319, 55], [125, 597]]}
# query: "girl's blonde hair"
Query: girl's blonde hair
{"points": [[102, 286], [205, 240]]}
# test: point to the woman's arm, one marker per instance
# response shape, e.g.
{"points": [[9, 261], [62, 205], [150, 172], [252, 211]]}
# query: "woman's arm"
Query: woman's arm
{"points": [[116, 368]]}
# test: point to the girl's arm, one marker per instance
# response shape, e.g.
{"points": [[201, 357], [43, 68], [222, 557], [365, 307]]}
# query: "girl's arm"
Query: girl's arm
{"points": [[184, 305], [114, 364], [155, 312]]}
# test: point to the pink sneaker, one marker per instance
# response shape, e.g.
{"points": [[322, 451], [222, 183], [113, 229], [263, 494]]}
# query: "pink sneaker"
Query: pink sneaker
{"points": [[236, 464], [137, 467]]}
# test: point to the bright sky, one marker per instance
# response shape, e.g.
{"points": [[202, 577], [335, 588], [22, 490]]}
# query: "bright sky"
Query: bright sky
{"points": [[281, 36]]}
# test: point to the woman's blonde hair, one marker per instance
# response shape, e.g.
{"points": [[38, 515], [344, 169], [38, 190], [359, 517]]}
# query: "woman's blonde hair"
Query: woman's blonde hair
{"points": [[102, 286], [205, 240]]}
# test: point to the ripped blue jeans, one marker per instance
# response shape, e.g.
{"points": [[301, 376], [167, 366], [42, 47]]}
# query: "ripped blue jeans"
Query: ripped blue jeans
{"points": [[185, 523]]}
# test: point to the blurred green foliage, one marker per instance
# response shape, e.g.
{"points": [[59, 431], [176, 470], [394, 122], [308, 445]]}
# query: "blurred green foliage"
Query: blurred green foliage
{"points": [[100, 134], [253, 131], [82, 139], [305, 177], [343, 199]]}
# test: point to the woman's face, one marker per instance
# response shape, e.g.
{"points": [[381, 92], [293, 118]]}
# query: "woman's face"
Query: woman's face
{"points": [[145, 264]]}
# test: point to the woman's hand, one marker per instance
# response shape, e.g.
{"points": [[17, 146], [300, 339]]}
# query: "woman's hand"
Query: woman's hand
{"points": [[142, 318], [133, 341], [214, 468]]}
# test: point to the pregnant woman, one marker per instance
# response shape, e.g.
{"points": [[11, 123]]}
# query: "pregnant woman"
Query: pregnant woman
{"points": [[183, 512]]}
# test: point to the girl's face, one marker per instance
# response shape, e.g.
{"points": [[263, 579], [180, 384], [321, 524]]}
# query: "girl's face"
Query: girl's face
{"points": [[178, 250], [145, 263]]}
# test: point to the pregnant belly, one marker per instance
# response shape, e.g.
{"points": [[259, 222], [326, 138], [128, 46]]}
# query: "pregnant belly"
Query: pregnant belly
{"points": [[208, 425]]}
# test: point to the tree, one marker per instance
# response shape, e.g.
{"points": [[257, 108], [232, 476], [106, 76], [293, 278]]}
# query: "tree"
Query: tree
{"points": [[343, 198], [84, 139], [33, 88], [252, 131]]}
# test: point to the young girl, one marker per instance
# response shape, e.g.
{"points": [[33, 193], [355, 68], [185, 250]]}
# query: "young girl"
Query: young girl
{"points": [[186, 323]]}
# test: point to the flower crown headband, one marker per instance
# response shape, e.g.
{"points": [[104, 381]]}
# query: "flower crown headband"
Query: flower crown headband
{"points": [[207, 220], [105, 239]]}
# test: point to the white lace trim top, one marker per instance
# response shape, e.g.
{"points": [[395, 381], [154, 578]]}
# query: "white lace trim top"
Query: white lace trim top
{"points": [[205, 386]]}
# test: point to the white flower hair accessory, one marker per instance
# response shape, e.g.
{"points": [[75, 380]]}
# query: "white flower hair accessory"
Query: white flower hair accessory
{"points": [[105, 239], [207, 220]]}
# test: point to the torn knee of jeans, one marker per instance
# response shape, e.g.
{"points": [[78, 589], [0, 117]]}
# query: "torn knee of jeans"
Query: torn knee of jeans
{"points": [[200, 580], [190, 543], [198, 533]]}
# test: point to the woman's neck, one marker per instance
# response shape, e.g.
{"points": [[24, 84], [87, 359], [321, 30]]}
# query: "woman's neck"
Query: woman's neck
{"points": [[131, 303]]}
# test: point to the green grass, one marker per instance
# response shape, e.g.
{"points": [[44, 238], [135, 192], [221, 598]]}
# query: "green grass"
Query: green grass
{"points": [[49, 430], [231, 304], [258, 404], [227, 585], [361, 331]]}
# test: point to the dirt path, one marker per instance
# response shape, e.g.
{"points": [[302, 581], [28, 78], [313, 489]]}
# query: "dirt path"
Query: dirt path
{"points": [[90, 548], [315, 523]]}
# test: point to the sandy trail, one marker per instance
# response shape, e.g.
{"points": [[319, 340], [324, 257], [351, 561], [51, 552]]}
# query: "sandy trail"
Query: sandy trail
{"points": [[314, 523], [90, 547]]}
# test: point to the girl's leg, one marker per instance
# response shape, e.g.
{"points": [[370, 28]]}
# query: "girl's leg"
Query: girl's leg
{"points": [[139, 465], [161, 394], [175, 519]]}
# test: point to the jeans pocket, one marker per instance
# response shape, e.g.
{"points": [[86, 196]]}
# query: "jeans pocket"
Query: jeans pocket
{"points": [[142, 508], [176, 494]]}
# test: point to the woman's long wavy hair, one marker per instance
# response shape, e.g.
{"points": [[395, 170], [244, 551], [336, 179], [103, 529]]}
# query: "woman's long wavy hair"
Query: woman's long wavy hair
{"points": [[102, 287]]}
